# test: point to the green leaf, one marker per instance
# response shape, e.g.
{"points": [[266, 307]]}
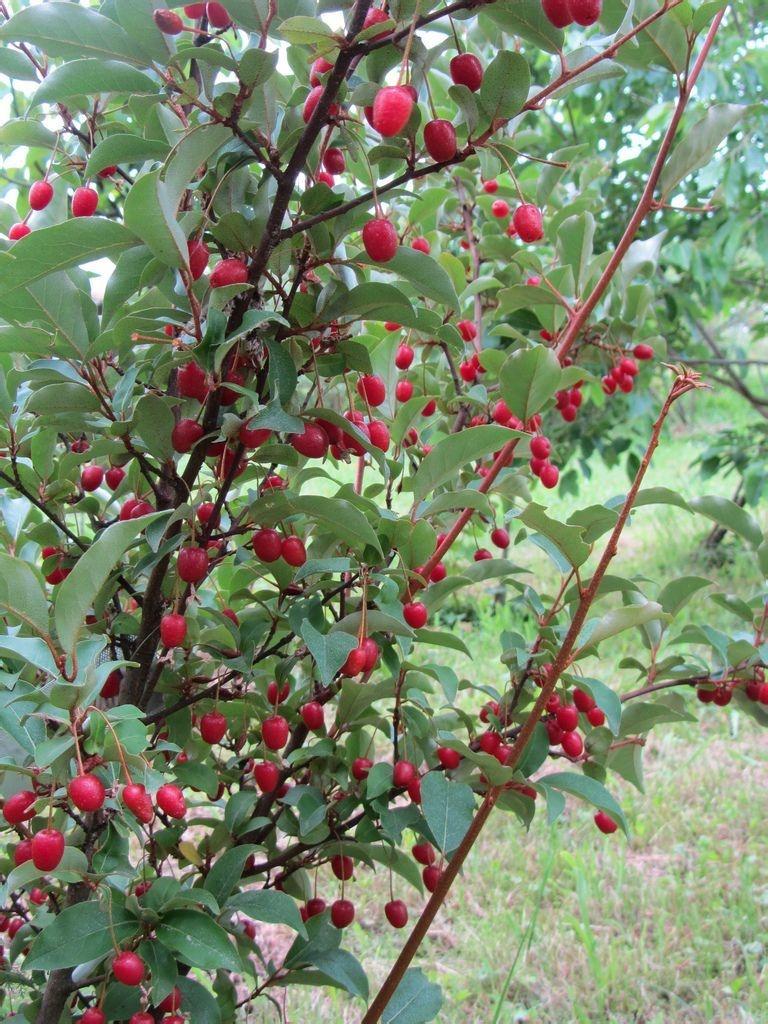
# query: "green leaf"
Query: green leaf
{"points": [[574, 243], [455, 451], [336, 515], [588, 789], [730, 515], [71, 31], [198, 940], [226, 872], [678, 592], [344, 970], [78, 591], [25, 132], [423, 272], [82, 932], [150, 212], [88, 77], [124, 149], [153, 421], [698, 145], [201, 1005], [416, 1000], [448, 807], [304, 31], [616, 621], [270, 906], [506, 82], [526, 296], [22, 594], [16, 65], [330, 650], [526, 18], [528, 379], [69, 244], [371, 302], [567, 539], [641, 716]]}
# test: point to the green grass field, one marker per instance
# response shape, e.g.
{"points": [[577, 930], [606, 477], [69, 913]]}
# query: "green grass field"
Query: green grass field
{"points": [[562, 924]]}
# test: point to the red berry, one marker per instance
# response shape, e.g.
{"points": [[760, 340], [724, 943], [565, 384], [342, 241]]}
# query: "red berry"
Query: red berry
{"points": [[596, 716], [431, 876], [528, 222], [343, 867], [403, 390], [17, 231], [173, 630], [440, 140], [311, 102], [315, 906], [380, 239], [467, 329], [19, 807], [333, 161], [491, 186], [111, 686], [424, 853], [213, 726], [192, 564], [94, 1016], [549, 475], [642, 352], [415, 614], [540, 447], [391, 110], [361, 766], [139, 1017], [420, 244], [228, 272], [293, 551], [86, 792], [185, 435], [355, 662], [171, 800], [168, 22], [371, 653], [558, 12], [500, 537], [277, 694], [403, 356], [499, 208], [489, 741], [171, 1003], [47, 849], [396, 913], [583, 701], [482, 555], [342, 913], [605, 823], [585, 12], [114, 477], [40, 194], [128, 968], [138, 801], [467, 371], [267, 545], [91, 478], [379, 434], [320, 67], [376, 16], [572, 744], [567, 718], [312, 715], [429, 408], [192, 382], [372, 389], [267, 776], [197, 258], [275, 732], [218, 16], [467, 70], [22, 852], [84, 202], [402, 774], [448, 758]]}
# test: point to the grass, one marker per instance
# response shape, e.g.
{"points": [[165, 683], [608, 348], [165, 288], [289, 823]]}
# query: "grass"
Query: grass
{"points": [[561, 924]]}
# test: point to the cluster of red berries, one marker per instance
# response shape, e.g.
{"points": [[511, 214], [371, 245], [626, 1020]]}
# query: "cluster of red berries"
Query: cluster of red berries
{"points": [[171, 23], [562, 721], [562, 13], [623, 373]]}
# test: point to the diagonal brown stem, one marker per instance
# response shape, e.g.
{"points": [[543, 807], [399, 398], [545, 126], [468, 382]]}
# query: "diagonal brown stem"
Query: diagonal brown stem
{"points": [[685, 382]]}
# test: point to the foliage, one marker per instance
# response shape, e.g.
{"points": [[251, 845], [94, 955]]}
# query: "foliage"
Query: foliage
{"points": [[234, 633]]}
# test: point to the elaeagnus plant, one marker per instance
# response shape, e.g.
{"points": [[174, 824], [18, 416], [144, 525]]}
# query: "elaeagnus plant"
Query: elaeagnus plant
{"points": [[293, 294]]}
